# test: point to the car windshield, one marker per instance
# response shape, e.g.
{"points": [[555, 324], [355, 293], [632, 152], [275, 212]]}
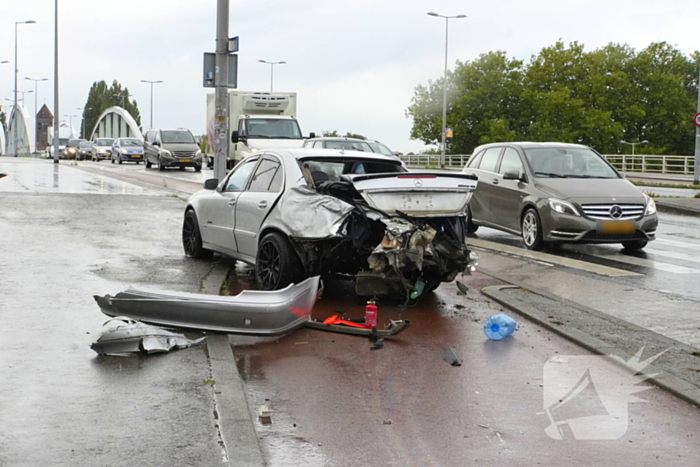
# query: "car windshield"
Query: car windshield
{"points": [[272, 128], [568, 163], [334, 168], [177, 136], [104, 142], [349, 145], [74, 143], [85, 144], [62, 141], [380, 148], [131, 142]]}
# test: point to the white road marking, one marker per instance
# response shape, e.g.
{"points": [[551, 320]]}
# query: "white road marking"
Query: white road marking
{"points": [[554, 259]]}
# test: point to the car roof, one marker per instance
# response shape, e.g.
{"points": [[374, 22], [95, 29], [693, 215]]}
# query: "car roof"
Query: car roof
{"points": [[531, 145], [336, 138], [300, 153]]}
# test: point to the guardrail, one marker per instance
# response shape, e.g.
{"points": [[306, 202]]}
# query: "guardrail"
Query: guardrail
{"points": [[678, 165]]}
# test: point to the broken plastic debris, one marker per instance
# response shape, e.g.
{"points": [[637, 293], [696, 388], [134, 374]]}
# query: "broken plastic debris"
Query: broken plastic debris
{"points": [[131, 336], [451, 357], [265, 414], [462, 288]]}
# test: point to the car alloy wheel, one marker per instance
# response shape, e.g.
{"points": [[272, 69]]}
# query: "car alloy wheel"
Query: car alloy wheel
{"points": [[531, 230], [192, 238], [276, 264]]}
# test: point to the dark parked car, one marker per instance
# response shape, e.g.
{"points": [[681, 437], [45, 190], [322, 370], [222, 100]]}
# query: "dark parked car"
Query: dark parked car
{"points": [[127, 149], [555, 192]]}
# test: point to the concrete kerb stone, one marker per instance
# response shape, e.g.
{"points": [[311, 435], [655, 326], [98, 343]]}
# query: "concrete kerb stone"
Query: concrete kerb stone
{"points": [[679, 387], [671, 209], [236, 426]]}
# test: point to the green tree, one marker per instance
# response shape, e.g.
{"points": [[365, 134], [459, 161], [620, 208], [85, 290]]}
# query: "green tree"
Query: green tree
{"points": [[330, 134], [100, 98]]}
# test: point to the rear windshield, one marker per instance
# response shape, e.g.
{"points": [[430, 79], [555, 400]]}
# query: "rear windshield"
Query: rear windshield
{"points": [[334, 168], [349, 145], [176, 137], [85, 144], [568, 163]]}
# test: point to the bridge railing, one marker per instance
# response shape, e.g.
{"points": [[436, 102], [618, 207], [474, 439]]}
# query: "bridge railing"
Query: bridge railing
{"points": [[678, 165]]}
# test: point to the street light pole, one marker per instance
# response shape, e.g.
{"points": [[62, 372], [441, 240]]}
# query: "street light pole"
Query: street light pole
{"points": [[70, 122], [151, 83], [124, 96], [14, 109], [444, 85], [633, 145], [36, 100], [272, 67]]}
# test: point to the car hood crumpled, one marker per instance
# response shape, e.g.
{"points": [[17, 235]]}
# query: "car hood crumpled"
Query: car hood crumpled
{"points": [[309, 215], [590, 189]]}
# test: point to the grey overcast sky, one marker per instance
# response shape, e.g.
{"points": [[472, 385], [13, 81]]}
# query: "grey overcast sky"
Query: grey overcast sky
{"points": [[353, 64]]}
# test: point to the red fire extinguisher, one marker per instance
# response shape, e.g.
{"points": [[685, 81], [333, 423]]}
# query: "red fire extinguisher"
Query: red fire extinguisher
{"points": [[371, 314]]}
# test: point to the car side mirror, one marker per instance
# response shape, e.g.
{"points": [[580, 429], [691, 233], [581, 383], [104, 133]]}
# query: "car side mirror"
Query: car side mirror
{"points": [[234, 136], [211, 184], [155, 143], [513, 175], [623, 175], [312, 135]]}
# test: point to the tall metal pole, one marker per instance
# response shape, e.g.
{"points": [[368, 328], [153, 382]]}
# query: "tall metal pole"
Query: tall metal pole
{"points": [[444, 99], [56, 123], [151, 83], [221, 125], [696, 170], [14, 109], [272, 75]]}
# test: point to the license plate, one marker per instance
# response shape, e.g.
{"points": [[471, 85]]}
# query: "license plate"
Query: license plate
{"points": [[615, 227], [136, 155], [185, 160]]}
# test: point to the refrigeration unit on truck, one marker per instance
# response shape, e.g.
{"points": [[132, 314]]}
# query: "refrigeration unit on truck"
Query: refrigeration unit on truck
{"points": [[256, 121]]}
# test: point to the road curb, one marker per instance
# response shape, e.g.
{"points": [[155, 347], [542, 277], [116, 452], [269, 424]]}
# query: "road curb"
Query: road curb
{"points": [[667, 208], [235, 424], [676, 386]]}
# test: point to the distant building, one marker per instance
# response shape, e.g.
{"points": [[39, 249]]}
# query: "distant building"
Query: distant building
{"points": [[44, 121]]}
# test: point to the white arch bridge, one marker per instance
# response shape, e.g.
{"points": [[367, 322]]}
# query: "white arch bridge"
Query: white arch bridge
{"points": [[116, 122]]}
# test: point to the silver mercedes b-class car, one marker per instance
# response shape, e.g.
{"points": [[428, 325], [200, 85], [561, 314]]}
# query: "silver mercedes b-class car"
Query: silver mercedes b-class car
{"points": [[305, 212], [556, 192]]}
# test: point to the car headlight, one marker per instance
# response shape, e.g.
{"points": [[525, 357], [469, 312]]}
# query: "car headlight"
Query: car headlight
{"points": [[167, 153], [651, 206], [198, 154], [562, 207], [254, 150], [124, 151]]}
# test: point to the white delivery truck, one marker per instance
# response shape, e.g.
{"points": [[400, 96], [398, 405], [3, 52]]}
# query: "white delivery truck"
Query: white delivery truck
{"points": [[257, 121]]}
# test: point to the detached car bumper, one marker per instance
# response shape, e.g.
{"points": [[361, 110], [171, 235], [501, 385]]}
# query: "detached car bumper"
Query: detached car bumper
{"points": [[567, 228]]}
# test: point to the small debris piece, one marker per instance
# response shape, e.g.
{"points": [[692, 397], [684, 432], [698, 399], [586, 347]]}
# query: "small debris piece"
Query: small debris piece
{"points": [[484, 426], [265, 414], [451, 357], [299, 343], [387, 422], [129, 336], [376, 339], [462, 288]]}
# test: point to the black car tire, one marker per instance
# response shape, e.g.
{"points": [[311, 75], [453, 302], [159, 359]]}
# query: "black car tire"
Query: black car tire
{"points": [[197, 168], [531, 230], [471, 226], [112, 160], [148, 163], [160, 166], [634, 244], [120, 160], [192, 238], [276, 263]]}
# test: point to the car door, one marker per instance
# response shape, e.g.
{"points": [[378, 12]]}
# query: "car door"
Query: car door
{"points": [[485, 169], [220, 209], [506, 195], [148, 152], [255, 203], [115, 150]]}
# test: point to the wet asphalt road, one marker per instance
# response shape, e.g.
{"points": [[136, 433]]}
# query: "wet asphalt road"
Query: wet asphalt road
{"points": [[67, 235], [330, 395]]}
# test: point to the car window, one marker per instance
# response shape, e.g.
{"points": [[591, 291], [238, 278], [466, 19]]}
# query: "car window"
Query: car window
{"points": [[568, 162], [510, 161], [318, 144], [474, 160], [177, 137], [239, 178], [489, 159], [264, 175]]}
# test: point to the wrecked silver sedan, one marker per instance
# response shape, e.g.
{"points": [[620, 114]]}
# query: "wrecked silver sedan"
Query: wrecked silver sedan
{"points": [[304, 212]]}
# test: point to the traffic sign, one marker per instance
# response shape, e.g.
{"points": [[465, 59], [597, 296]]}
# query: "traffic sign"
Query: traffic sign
{"points": [[696, 120]]}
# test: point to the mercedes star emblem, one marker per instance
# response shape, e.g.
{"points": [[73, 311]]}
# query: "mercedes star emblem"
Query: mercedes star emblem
{"points": [[616, 212], [418, 182]]}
